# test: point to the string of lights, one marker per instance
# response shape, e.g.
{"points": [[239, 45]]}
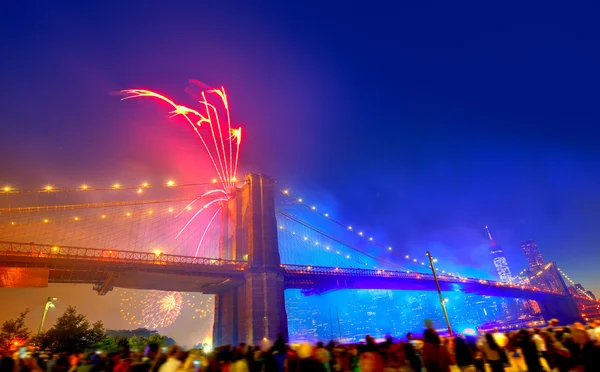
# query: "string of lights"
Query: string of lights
{"points": [[64, 207], [127, 214], [318, 244], [361, 234], [329, 236], [573, 283], [9, 190]]}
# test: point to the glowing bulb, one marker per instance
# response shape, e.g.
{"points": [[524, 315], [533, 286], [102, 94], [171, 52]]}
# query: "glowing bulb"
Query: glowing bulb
{"points": [[348, 256], [45, 221], [103, 216], [299, 200], [281, 227], [349, 227], [55, 248], [326, 214], [170, 183], [371, 239], [149, 212], [389, 248], [313, 208], [415, 260], [12, 223], [76, 218], [139, 191], [157, 252], [84, 187], [6, 189], [360, 233], [49, 188], [305, 238], [171, 210], [116, 185], [233, 179], [189, 208], [128, 214], [145, 184], [214, 180], [286, 192]]}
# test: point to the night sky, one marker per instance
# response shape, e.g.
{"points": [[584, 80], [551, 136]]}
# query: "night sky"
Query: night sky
{"points": [[422, 124]]}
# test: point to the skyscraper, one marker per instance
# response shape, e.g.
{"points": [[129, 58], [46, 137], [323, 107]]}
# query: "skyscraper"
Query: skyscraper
{"points": [[499, 259], [532, 252]]}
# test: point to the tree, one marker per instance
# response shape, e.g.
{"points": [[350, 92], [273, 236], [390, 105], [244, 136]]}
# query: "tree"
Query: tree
{"points": [[14, 333], [72, 333]]}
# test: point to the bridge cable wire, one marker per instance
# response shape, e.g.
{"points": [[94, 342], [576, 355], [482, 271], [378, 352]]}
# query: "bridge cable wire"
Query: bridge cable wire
{"points": [[329, 236], [360, 234]]}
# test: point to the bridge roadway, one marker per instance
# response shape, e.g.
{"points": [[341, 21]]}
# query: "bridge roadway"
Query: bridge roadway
{"points": [[40, 264]]}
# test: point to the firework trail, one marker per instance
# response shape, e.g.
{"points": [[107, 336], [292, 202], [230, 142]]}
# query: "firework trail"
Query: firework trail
{"points": [[223, 155]]}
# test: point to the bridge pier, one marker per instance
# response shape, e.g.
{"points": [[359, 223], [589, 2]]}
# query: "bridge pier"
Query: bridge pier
{"points": [[564, 309], [255, 311]]}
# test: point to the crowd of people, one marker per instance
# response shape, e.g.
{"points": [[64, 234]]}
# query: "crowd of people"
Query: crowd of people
{"points": [[563, 349]]}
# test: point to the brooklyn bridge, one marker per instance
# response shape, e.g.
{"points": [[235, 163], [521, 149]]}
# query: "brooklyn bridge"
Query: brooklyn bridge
{"points": [[250, 267]]}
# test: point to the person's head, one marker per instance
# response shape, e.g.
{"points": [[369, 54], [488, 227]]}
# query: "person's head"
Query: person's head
{"points": [[319, 345], [173, 351], [409, 336], [491, 342], [151, 351], [553, 322], [431, 337], [7, 364]]}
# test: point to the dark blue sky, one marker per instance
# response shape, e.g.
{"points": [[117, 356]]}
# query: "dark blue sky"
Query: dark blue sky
{"points": [[422, 123]]}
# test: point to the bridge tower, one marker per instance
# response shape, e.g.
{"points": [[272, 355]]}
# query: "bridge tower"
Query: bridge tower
{"points": [[255, 311]]}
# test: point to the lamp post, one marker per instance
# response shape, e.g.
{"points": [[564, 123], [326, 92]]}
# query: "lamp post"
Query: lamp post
{"points": [[49, 304], [437, 284]]}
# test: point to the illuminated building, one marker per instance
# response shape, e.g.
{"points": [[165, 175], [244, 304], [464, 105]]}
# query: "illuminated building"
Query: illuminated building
{"points": [[499, 260], [532, 252], [589, 293]]}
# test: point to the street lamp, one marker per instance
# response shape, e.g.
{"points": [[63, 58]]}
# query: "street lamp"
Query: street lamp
{"points": [[437, 284], [49, 304]]}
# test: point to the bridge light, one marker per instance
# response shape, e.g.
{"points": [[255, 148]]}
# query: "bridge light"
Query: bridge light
{"points": [[299, 200], [170, 183], [435, 260], [6, 189], [189, 208], [45, 221], [149, 212], [84, 187], [54, 249], [308, 267], [347, 256], [214, 180], [370, 238], [280, 227], [349, 227], [446, 300], [313, 208], [360, 233], [76, 218], [414, 260], [305, 238], [407, 257], [327, 248], [171, 210], [128, 214], [116, 186], [157, 252], [12, 223], [234, 179], [103, 216], [145, 184], [139, 191], [389, 248], [326, 214], [48, 187]]}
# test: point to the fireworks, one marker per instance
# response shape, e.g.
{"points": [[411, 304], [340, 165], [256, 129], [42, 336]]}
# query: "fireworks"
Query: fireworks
{"points": [[159, 309], [207, 123]]}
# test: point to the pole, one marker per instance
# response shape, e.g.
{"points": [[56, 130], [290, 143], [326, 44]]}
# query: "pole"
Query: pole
{"points": [[48, 302], [330, 325], [437, 284], [48, 305], [339, 325]]}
